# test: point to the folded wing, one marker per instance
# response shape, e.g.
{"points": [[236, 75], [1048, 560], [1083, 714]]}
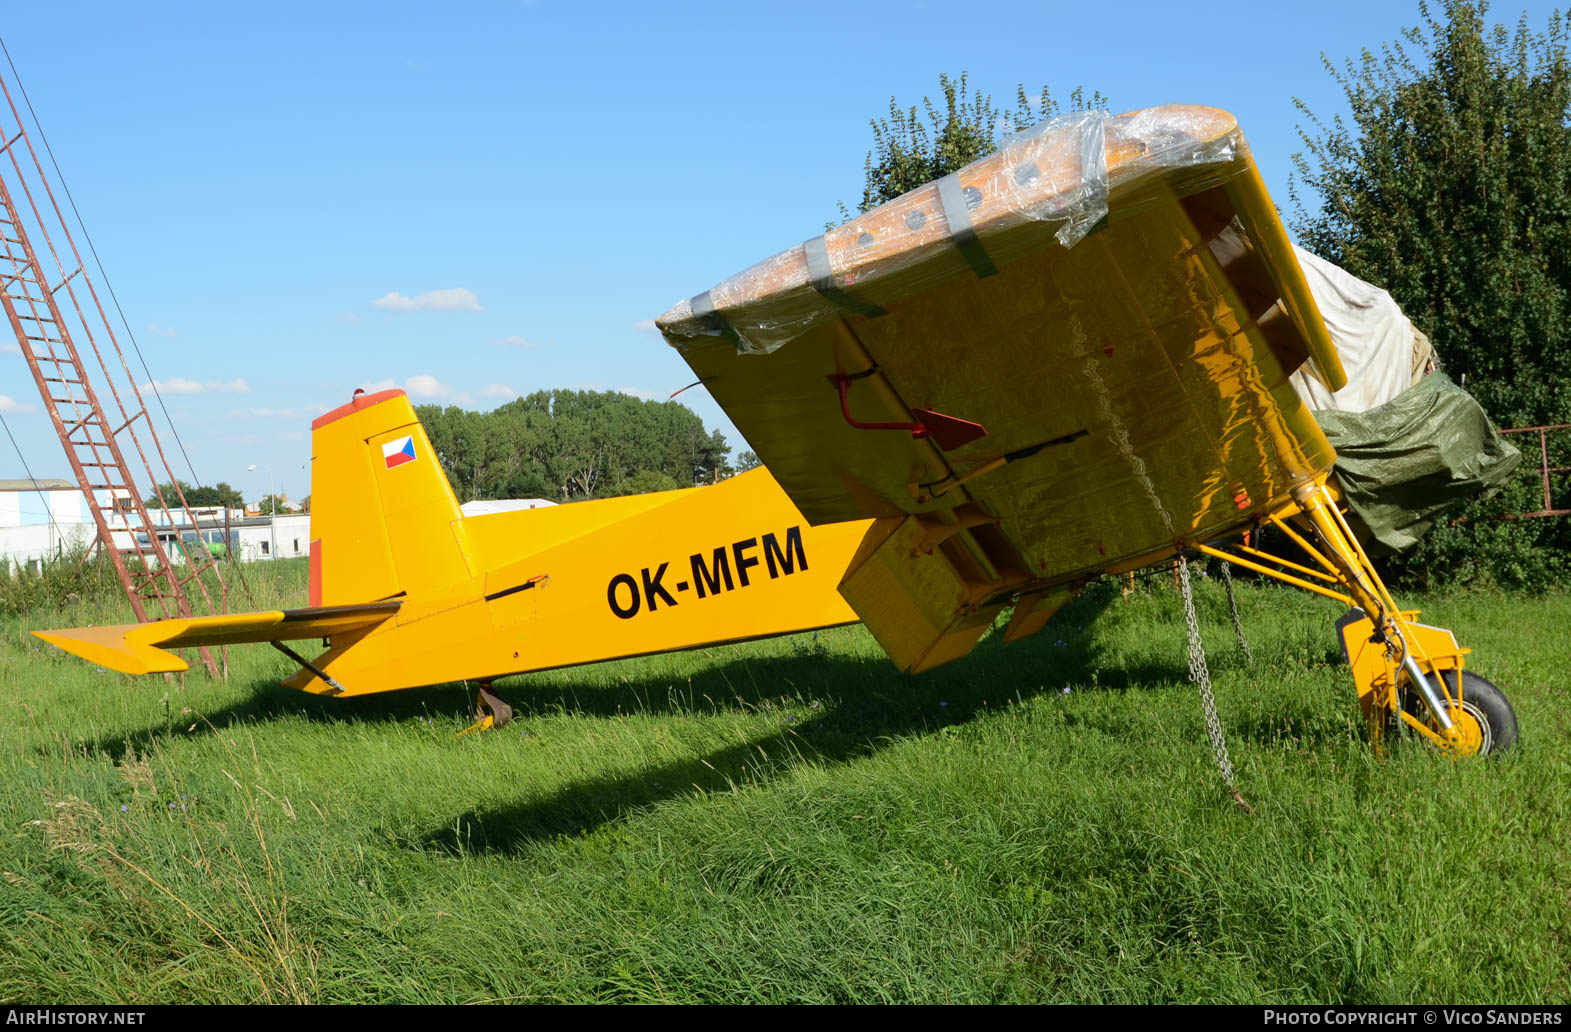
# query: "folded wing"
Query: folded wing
{"points": [[1111, 300]]}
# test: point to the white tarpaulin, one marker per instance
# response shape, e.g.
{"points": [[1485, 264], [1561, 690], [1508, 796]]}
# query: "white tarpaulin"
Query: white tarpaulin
{"points": [[1383, 353], [1409, 447]]}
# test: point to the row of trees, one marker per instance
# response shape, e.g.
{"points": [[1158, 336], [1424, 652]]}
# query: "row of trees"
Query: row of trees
{"points": [[563, 445], [567, 445], [206, 496]]}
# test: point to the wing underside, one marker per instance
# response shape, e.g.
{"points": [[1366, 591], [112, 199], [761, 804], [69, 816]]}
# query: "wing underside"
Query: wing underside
{"points": [[1133, 386]]}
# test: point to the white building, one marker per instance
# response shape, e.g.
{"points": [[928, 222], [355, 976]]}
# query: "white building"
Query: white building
{"points": [[281, 537], [41, 519], [46, 518]]}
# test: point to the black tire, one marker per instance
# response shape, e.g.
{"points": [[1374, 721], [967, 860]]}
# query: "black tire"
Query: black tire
{"points": [[1483, 703]]}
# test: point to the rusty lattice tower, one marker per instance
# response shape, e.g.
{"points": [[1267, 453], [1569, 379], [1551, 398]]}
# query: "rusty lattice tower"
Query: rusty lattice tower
{"points": [[88, 389]]}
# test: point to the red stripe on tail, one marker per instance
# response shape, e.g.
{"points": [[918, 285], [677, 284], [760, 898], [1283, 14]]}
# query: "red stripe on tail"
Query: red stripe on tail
{"points": [[314, 592]]}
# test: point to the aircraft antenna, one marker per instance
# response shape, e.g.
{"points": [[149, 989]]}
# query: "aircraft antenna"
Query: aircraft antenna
{"points": [[57, 316]]}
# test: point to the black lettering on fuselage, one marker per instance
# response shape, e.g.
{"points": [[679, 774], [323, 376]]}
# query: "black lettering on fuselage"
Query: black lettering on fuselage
{"points": [[705, 578], [712, 575], [789, 561], [653, 589], [632, 609], [743, 560]]}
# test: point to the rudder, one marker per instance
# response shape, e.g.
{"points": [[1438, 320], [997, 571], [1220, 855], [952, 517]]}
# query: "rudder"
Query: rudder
{"points": [[383, 517]]}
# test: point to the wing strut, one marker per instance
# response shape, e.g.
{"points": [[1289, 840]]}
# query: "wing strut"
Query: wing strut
{"points": [[318, 671]]}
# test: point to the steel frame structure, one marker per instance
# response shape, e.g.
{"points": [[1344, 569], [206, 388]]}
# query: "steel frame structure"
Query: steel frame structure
{"points": [[52, 306]]}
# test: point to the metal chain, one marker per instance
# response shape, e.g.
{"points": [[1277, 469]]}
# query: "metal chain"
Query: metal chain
{"points": [[1232, 605], [1199, 674]]}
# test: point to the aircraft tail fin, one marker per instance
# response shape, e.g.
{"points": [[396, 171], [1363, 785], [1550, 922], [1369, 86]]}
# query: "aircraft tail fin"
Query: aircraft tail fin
{"points": [[384, 520]]}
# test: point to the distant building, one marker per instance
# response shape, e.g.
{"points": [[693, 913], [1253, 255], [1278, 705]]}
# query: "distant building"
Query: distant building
{"points": [[250, 538], [41, 519], [46, 518], [484, 507]]}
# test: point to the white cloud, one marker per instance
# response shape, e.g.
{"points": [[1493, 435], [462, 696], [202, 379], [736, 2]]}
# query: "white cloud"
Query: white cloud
{"points": [[646, 326], [348, 317], [456, 299], [424, 385], [632, 392], [178, 385], [514, 341], [162, 331], [10, 406], [427, 388], [10, 349], [268, 413]]}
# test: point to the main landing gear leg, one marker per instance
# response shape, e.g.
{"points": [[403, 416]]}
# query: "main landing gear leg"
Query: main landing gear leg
{"points": [[1405, 671]]}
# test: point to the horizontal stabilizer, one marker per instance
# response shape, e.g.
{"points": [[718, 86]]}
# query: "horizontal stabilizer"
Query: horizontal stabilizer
{"points": [[139, 648]]}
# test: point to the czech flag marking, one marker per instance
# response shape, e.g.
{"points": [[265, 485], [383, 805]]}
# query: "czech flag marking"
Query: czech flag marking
{"points": [[396, 453]]}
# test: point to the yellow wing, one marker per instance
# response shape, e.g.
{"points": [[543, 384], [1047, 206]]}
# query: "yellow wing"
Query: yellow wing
{"points": [[139, 648], [1087, 338]]}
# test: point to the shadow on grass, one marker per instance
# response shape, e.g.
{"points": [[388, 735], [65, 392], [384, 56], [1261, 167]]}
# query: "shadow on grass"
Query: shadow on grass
{"points": [[269, 700], [873, 707], [742, 682], [861, 707], [868, 716]]}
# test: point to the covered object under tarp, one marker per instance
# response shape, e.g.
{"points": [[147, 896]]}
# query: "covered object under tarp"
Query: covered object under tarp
{"points": [[1410, 444]]}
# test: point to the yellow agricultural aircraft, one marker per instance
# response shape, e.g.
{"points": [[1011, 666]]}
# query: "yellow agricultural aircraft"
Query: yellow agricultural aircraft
{"points": [[1069, 359]]}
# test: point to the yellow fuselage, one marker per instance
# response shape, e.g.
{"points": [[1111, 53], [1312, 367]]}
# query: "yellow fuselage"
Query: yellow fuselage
{"points": [[609, 579]]}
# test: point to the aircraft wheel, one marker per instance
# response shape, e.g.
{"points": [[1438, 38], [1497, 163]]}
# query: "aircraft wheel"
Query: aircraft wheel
{"points": [[1487, 723]]}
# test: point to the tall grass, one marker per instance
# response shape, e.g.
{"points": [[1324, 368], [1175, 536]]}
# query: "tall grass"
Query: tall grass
{"points": [[76, 581], [793, 821], [58, 585]]}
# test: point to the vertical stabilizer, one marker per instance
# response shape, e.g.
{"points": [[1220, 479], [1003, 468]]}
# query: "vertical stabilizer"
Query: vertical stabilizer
{"points": [[383, 518]]}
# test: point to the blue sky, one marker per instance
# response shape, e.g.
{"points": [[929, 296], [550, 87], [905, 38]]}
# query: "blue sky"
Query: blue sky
{"points": [[478, 199]]}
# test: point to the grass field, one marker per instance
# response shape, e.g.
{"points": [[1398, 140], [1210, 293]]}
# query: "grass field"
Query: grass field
{"points": [[791, 820]]}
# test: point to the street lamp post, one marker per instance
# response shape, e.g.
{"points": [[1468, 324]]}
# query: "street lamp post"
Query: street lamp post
{"points": [[272, 498]]}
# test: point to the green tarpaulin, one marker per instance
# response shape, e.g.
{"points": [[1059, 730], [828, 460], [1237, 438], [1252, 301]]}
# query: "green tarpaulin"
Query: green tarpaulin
{"points": [[1406, 463]]}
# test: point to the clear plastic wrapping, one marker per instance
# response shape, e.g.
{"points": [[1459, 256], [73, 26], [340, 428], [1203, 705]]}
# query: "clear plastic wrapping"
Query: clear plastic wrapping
{"points": [[1048, 186]]}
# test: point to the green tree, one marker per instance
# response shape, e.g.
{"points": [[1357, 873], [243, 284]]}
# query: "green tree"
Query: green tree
{"points": [[746, 461], [566, 445], [648, 480], [268, 505], [1447, 183], [219, 494], [205, 496], [910, 150]]}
